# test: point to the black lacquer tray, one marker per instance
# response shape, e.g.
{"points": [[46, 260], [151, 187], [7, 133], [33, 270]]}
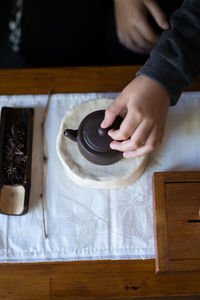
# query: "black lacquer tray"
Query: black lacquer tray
{"points": [[16, 135]]}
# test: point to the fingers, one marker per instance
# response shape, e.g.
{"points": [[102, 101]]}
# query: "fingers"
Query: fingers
{"points": [[113, 111], [128, 42], [133, 28], [147, 104], [147, 32], [136, 42], [158, 14], [154, 140], [126, 129], [139, 42], [139, 137]]}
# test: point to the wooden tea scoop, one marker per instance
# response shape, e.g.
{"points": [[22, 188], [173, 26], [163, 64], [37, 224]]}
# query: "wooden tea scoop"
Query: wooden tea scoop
{"points": [[12, 199]]}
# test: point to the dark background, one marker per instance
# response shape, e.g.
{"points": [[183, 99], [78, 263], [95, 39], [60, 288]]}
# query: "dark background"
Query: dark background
{"points": [[67, 33], [64, 33]]}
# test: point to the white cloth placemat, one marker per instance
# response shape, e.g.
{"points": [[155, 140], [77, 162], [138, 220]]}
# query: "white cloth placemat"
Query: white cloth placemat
{"points": [[87, 223]]}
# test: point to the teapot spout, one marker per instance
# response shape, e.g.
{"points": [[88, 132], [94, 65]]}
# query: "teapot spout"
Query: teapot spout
{"points": [[72, 134]]}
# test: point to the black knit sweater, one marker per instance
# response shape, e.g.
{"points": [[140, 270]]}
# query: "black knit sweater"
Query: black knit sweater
{"points": [[175, 61]]}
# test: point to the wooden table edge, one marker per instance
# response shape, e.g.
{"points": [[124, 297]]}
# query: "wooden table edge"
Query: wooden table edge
{"points": [[83, 80]]}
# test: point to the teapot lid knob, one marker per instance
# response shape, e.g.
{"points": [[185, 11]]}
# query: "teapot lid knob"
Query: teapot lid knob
{"points": [[102, 131]]}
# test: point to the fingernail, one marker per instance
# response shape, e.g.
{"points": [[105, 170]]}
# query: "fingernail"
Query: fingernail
{"points": [[129, 154], [104, 123], [113, 146], [110, 132]]}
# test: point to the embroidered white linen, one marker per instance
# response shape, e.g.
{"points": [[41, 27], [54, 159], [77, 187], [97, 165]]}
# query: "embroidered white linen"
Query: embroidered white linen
{"points": [[90, 223]]}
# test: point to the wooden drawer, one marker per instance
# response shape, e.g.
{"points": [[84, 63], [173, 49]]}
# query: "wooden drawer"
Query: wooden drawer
{"points": [[177, 221]]}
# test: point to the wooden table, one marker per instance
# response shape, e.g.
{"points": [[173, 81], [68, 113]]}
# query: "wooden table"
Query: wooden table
{"points": [[85, 279]]}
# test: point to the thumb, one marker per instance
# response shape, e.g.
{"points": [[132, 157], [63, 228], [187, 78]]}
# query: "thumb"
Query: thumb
{"points": [[112, 112], [158, 14]]}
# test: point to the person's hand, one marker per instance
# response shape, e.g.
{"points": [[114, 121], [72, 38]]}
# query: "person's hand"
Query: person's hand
{"points": [[133, 28], [142, 129]]}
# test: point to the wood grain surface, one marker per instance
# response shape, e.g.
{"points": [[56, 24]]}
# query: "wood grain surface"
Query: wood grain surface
{"points": [[66, 80], [177, 221], [92, 280], [88, 279], [69, 80]]}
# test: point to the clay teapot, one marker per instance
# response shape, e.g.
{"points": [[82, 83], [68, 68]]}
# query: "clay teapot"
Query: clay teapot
{"points": [[94, 141]]}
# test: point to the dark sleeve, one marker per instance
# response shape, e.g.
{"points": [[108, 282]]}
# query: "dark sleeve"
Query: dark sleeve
{"points": [[175, 61]]}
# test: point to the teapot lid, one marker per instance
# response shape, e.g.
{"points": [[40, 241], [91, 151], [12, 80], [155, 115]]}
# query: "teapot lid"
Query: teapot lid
{"points": [[95, 137]]}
